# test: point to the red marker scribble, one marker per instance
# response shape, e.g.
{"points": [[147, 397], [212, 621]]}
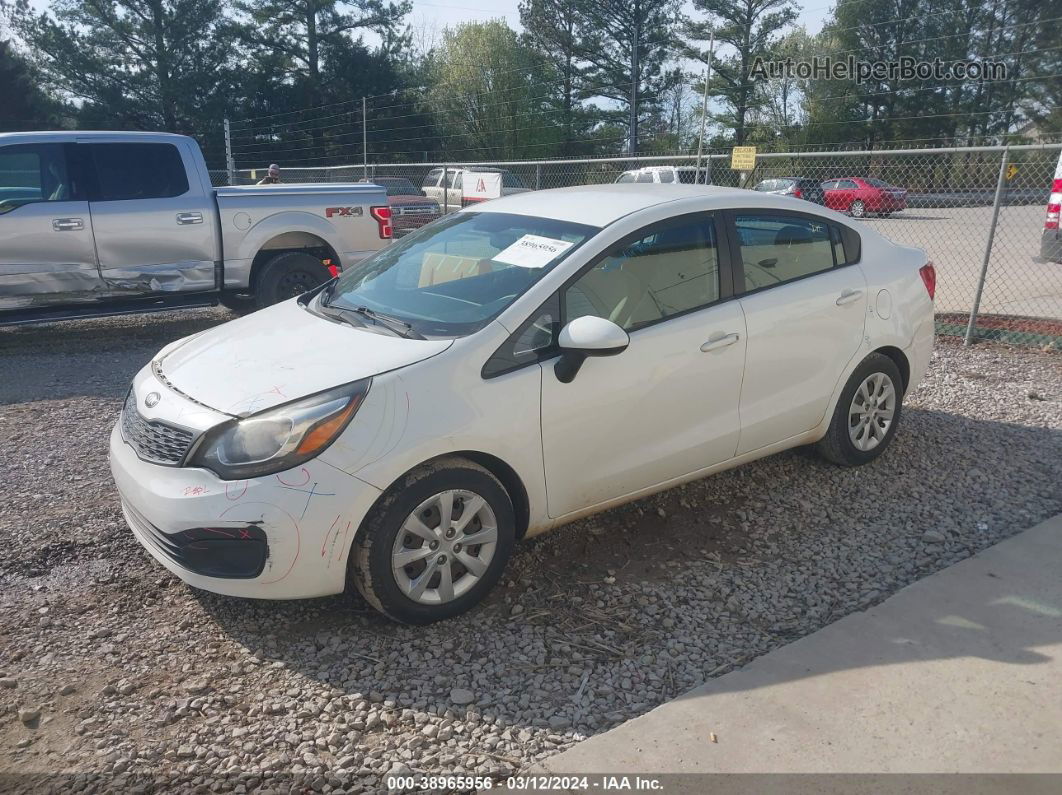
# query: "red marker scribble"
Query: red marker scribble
{"points": [[194, 491], [304, 471], [330, 529], [231, 491]]}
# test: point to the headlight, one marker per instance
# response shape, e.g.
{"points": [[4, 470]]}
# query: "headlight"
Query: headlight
{"points": [[279, 438]]}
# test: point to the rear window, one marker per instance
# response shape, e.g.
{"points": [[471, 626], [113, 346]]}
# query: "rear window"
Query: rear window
{"points": [[876, 183], [127, 171]]}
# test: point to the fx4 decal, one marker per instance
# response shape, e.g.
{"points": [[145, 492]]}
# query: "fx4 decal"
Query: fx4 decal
{"points": [[343, 212]]}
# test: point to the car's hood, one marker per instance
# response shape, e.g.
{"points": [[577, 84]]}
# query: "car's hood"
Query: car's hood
{"points": [[279, 354]]}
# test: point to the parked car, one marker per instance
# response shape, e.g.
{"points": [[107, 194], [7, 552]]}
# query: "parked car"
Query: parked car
{"points": [[105, 223], [410, 207], [687, 175], [860, 196], [510, 368], [797, 187], [1051, 240], [451, 193]]}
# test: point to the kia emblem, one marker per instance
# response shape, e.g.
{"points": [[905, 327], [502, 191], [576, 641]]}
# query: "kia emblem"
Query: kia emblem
{"points": [[152, 399]]}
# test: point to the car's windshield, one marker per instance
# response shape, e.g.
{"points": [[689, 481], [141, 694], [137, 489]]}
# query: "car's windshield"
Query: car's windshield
{"points": [[452, 277], [398, 187]]}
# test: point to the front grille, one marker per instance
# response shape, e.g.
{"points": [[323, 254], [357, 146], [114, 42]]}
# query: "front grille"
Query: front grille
{"points": [[426, 209], [154, 441]]}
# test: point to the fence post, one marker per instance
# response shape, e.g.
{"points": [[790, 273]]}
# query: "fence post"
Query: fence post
{"points": [[364, 140], [230, 164], [446, 190], [538, 176], [1000, 182]]}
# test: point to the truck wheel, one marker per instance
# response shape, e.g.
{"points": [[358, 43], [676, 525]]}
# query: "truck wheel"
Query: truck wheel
{"points": [[287, 275], [240, 304]]}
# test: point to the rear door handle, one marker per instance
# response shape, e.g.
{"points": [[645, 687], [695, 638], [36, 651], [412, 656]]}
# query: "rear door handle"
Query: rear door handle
{"points": [[67, 224], [848, 296], [720, 341], [189, 218]]}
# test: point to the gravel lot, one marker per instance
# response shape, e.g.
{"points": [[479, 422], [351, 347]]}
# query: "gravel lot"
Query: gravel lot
{"points": [[109, 664]]}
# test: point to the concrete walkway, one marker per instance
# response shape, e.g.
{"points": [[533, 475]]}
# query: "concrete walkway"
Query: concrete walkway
{"points": [[959, 672]]}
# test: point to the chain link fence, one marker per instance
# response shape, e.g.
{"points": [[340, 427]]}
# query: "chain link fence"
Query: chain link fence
{"points": [[978, 212]]}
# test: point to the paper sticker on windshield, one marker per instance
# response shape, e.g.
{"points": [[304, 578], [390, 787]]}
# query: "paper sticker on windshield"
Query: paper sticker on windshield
{"points": [[532, 251]]}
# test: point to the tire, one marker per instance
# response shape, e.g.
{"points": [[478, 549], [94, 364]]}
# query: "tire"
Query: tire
{"points": [[857, 209], [838, 445], [389, 587], [287, 275], [240, 304]]}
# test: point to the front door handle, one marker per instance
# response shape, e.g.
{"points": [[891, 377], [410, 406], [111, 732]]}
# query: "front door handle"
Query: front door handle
{"points": [[848, 296], [720, 341], [67, 224], [189, 218]]}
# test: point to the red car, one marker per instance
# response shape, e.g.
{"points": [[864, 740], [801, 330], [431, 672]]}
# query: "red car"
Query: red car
{"points": [[860, 196]]}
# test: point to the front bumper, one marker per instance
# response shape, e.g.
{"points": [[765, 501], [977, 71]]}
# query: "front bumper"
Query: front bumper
{"points": [[284, 536]]}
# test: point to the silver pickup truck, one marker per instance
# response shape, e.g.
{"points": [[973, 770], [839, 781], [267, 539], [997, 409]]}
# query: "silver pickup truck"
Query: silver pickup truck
{"points": [[98, 223]]}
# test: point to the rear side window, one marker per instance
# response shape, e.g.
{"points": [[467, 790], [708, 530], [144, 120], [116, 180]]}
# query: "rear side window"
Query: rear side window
{"points": [[776, 249], [31, 173], [645, 176], [129, 171], [666, 176]]}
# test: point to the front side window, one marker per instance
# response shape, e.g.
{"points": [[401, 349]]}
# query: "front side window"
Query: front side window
{"points": [[31, 173], [626, 177], [130, 171], [432, 179], [645, 176], [454, 276], [666, 176], [780, 248], [666, 272]]}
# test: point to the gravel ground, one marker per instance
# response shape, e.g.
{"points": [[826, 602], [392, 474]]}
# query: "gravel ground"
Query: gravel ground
{"points": [[109, 664]]}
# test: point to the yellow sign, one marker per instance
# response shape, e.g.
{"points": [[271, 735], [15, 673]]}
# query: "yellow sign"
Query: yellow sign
{"points": [[743, 158], [1011, 171]]}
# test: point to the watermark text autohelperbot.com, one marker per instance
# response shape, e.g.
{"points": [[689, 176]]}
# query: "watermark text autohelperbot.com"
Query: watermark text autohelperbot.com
{"points": [[823, 67]]}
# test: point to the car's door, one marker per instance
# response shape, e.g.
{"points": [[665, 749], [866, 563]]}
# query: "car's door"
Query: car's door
{"points": [[667, 405], [154, 228], [829, 194], [805, 302], [47, 254], [431, 185]]}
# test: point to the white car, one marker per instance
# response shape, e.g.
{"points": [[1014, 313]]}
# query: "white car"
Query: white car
{"points": [[505, 370], [688, 175]]}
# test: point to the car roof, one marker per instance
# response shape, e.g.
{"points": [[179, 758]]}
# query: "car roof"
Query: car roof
{"points": [[69, 135], [600, 205]]}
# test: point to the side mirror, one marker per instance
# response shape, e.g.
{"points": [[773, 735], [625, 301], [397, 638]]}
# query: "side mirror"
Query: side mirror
{"points": [[587, 336]]}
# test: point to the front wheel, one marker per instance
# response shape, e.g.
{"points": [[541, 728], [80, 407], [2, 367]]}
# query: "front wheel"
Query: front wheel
{"points": [[857, 209], [435, 544], [867, 413]]}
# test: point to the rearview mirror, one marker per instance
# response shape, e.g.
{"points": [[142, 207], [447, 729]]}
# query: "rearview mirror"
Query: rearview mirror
{"points": [[587, 336]]}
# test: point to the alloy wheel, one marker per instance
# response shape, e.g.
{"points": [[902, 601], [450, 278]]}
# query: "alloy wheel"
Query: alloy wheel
{"points": [[872, 411], [444, 547]]}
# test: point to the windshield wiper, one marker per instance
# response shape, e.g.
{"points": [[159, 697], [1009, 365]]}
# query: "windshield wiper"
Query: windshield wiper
{"points": [[400, 327]]}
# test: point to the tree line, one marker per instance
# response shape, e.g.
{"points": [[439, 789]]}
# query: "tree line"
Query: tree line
{"points": [[583, 77]]}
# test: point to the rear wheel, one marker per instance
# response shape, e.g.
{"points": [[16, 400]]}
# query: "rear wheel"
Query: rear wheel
{"points": [[435, 544], [288, 275], [857, 209], [867, 413]]}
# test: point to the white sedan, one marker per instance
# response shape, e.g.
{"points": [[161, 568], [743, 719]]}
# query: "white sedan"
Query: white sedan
{"points": [[505, 370]]}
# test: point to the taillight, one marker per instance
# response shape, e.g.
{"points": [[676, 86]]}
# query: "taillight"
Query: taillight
{"points": [[1053, 205], [929, 279], [797, 194], [383, 218]]}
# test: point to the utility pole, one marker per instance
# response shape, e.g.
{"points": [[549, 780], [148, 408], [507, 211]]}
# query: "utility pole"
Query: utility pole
{"points": [[704, 116], [634, 77], [364, 139]]}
